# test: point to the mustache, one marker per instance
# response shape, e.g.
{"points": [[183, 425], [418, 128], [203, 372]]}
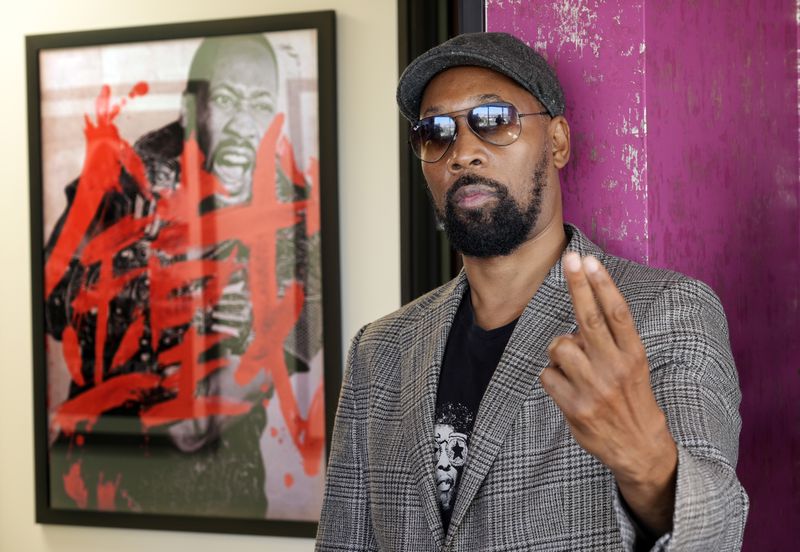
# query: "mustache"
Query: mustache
{"points": [[235, 143], [470, 179]]}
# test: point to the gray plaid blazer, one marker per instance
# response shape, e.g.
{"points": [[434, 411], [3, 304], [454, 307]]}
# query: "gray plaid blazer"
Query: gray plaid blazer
{"points": [[527, 484]]}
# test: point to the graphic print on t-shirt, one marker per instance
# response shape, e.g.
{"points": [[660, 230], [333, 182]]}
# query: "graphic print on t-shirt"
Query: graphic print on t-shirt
{"points": [[453, 424]]}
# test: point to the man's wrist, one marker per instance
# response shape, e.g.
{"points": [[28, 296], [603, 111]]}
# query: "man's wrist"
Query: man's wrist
{"points": [[648, 482]]}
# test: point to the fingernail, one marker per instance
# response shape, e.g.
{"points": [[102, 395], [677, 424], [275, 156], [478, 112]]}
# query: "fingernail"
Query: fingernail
{"points": [[572, 262], [591, 264]]}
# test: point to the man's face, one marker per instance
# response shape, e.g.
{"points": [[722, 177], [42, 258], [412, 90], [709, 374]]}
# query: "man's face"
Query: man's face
{"points": [[238, 109], [490, 198], [452, 451]]}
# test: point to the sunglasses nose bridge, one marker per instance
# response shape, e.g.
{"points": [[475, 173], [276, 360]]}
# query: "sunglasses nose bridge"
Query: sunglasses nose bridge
{"points": [[466, 139]]}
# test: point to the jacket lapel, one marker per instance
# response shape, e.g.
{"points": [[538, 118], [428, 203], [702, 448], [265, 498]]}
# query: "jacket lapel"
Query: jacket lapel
{"points": [[424, 343], [547, 315]]}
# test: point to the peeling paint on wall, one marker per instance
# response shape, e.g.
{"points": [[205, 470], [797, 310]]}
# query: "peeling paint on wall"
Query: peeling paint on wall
{"points": [[685, 122]]}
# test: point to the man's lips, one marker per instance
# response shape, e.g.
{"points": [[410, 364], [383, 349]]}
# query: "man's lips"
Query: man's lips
{"points": [[473, 195], [234, 156]]}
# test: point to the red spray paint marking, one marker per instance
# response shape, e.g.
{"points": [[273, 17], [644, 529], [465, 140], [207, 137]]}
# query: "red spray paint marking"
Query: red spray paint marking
{"points": [[112, 393], [130, 341], [288, 480], [254, 225], [107, 493], [106, 154], [72, 355], [75, 487]]}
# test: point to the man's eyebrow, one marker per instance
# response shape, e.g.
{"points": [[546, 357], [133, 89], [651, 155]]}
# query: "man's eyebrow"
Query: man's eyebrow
{"points": [[260, 93], [479, 99], [233, 90]]}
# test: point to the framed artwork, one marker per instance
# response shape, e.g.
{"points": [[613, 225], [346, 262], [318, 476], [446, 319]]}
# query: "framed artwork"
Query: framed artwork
{"points": [[184, 233]]}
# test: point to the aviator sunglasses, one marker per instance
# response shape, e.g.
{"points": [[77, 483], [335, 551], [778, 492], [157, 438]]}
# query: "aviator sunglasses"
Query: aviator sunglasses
{"points": [[497, 123]]}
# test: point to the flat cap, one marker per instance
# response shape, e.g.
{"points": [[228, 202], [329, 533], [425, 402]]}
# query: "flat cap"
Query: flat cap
{"points": [[500, 52]]}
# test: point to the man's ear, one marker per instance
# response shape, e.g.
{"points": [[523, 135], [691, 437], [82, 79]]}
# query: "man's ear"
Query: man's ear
{"points": [[188, 113], [559, 132]]}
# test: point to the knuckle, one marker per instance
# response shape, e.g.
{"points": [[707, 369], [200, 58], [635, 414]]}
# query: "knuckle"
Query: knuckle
{"points": [[594, 319], [584, 412], [621, 312]]}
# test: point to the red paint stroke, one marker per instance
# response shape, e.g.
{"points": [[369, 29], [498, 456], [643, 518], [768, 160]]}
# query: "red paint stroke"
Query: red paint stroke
{"points": [[273, 431], [288, 164], [72, 355], [178, 290], [110, 394], [79, 440], [130, 342], [107, 493], [288, 480], [106, 154], [75, 487], [187, 404]]}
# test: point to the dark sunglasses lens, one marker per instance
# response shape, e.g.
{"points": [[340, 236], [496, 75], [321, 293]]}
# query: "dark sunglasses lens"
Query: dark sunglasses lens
{"points": [[431, 137], [498, 124]]}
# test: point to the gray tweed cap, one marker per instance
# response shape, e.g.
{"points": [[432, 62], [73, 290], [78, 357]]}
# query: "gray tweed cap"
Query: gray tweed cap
{"points": [[498, 51]]}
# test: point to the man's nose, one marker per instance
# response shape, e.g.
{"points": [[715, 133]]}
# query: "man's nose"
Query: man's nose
{"points": [[468, 151], [243, 125], [444, 461]]}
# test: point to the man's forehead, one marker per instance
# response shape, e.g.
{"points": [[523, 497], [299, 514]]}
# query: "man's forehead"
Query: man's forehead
{"points": [[248, 64]]}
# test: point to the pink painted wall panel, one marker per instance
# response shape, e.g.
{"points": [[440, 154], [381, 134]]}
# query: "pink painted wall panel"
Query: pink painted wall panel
{"points": [[708, 186], [596, 49], [721, 81]]}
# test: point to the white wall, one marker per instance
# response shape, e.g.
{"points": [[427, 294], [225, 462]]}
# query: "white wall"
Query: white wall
{"points": [[369, 223]]}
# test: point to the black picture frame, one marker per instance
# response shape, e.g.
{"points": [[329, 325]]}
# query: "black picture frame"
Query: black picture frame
{"points": [[323, 25]]}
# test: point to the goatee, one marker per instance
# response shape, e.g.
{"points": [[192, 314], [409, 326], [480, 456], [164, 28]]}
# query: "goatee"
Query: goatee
{"points": [[492, 231]]}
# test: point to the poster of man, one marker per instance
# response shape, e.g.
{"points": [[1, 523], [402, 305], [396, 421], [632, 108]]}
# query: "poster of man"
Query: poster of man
{"points": [[182, 276]]}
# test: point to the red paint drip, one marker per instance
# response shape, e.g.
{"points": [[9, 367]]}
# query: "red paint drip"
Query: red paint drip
{"points": [[75, 487], [139, 89], [288, 480], [72, 355], [273, 431], [107, 493]]}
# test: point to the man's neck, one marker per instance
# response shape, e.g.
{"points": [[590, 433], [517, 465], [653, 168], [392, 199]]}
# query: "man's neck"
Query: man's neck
{"points": [[501, 287]]}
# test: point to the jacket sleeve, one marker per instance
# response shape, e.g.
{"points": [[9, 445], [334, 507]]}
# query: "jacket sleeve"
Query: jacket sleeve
{"points": [[695, 382], [345, 522]]}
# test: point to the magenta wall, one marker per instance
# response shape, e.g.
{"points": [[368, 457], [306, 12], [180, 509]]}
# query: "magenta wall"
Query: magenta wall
{"points": [[684, 116]]}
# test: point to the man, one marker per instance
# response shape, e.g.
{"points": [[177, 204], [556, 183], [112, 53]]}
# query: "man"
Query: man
{"points": [[603, 392], [174, 445]]}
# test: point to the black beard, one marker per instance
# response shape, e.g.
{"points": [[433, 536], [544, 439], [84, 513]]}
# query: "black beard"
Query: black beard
{"points": [[497, 231]]}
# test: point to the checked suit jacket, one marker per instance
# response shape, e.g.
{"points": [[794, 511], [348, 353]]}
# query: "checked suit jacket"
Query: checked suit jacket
{"points": [[527, 484]]}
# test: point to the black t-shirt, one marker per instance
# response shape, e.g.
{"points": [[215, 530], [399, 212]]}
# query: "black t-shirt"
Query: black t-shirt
{"points": [[470, 359]]}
